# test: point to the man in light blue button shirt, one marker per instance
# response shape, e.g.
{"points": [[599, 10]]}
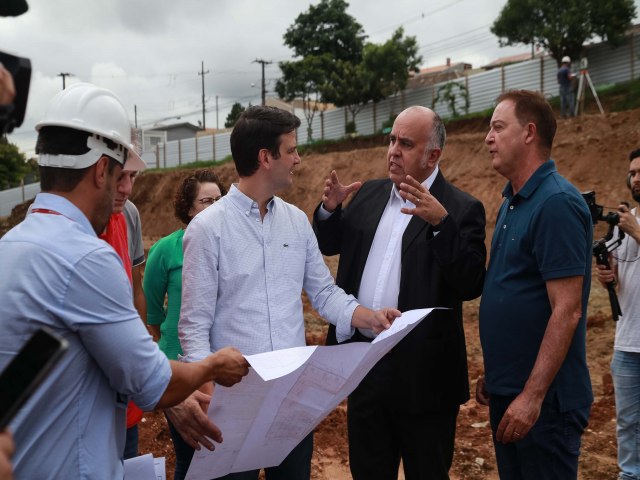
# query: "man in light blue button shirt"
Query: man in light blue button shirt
{"points": [[57, 273], [247, 259]]}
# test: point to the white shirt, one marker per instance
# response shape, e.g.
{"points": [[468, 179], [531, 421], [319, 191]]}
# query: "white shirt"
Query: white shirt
{"points": [[628, 326], [243, 276], [380, 283]]}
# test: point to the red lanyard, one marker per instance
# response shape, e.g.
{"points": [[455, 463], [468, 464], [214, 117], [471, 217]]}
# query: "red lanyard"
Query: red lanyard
{"points": [[50, 212], [45, 210]]}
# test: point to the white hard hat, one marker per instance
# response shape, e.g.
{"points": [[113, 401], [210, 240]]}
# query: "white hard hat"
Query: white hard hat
{"points": [[96, 110], [566, 59]]}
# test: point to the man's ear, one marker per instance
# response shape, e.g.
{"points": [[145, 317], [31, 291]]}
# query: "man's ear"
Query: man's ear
{"points": [[101, 171], [434, 157], [264, 158], [531, 133]]}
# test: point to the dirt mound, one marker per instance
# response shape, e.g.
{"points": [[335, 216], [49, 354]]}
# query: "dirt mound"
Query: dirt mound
{"points": [[590, 151]]}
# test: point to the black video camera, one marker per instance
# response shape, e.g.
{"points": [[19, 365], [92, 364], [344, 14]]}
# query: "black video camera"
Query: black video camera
{"points": [[603, 247], [597, 211], [12, 114]]}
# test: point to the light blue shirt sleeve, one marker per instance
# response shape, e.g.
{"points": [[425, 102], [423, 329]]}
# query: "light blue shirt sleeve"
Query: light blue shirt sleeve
{"points": [[114, 334], [330, 300], [199, 291]]}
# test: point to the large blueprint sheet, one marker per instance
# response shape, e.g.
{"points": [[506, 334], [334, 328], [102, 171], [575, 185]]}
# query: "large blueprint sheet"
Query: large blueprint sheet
{"points": [[285, 396]]}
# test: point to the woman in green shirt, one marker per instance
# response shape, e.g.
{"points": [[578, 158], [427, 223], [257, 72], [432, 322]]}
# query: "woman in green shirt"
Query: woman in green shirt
{"points": [[163, 279]]}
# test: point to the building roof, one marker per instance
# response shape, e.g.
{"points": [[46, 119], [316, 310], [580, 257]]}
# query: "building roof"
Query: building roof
{"points": [[520, 57], [440, 73]]}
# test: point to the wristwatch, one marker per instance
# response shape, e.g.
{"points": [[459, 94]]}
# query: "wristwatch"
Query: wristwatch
{"points": [[437, 227]]}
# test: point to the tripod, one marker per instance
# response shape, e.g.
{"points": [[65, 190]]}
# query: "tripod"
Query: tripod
{"points": [[585, 78]]}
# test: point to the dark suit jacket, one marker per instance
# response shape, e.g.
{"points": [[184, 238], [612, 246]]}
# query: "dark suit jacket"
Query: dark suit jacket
{"points": [[427, 370]]}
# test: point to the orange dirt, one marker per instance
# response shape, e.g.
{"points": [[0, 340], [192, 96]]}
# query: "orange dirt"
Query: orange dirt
{"points": [[590, 151]]}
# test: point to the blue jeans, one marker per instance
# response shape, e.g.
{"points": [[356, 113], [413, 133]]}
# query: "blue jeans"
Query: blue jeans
{"points": [[625, 370], [184, 453], [297, 465], [549, 451], [567, 101]]}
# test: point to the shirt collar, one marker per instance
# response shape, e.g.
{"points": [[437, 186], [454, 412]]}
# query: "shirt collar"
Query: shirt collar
{"points": [[426, 184], [242, 201], [61, 205], [544, 170]]}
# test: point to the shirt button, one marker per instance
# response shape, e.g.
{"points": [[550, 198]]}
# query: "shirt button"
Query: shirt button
{"points": [[504, 227], [511, 207], [247, 213]]}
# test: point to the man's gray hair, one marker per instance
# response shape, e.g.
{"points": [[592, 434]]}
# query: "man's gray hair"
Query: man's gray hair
{"points": [[438, 135]]}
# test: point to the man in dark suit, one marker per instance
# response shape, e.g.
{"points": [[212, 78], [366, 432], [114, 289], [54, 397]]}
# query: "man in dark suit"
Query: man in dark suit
{"points": [[411, 241]]}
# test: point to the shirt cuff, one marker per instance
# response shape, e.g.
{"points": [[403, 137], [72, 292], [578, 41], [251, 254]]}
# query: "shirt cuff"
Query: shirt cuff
{"points": [[344, 330], [323, 213], [193, 357]]}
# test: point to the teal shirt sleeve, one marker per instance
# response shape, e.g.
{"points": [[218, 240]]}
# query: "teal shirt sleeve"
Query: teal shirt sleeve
{"points": [[163, 279], [155, 283]]}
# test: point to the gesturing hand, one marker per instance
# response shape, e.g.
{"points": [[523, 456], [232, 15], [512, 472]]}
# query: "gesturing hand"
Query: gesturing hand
{"points": [[335, 193], [427, 206], [190, 419]]}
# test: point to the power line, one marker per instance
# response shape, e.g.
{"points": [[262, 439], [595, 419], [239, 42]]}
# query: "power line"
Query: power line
{"points": [[417, 17]]}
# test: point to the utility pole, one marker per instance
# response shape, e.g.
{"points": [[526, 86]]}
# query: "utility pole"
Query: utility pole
{"points": [[135, 115], [217, 125], [264, 88], [64, 76], [203, 73]]}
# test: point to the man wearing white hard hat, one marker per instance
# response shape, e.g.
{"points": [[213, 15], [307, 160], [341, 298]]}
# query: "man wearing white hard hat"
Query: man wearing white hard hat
{"points": [[58, 274], [567, 100]]}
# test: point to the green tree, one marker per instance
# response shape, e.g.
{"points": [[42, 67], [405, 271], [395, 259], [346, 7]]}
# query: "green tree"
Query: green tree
{"points": [[303, 79], [13, 165], [323, 38], [389, 65], [562, 27], [383, 72], [326, 28], [234, 114], [349, 86]]}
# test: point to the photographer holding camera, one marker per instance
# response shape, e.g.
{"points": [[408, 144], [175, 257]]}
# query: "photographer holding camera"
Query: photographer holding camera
{"points": [[625, 365]]}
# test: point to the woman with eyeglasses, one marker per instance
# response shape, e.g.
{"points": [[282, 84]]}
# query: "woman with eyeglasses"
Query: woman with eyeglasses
{"points": [[163, 278]]}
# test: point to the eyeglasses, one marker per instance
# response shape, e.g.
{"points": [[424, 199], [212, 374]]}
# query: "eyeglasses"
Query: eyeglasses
{"points": [[207, 200]]}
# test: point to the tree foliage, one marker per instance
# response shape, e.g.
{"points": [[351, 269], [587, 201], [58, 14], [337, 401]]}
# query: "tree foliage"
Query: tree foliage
{"points": [[337, 67], [349, 86], [325, 37], [304, 79], [234, 114], [326, 28], [562, 27], [13, 165], [389, 64]]}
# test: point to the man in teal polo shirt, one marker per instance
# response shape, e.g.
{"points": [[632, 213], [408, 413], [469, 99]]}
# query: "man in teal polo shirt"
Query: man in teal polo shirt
{"points": [[533, 308]]}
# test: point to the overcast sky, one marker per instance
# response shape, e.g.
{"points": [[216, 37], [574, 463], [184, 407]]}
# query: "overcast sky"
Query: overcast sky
{"points": [[150, 52]]}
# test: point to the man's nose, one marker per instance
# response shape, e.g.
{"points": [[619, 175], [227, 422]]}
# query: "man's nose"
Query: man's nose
{"points": [[125, 186], [489, 138]]}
